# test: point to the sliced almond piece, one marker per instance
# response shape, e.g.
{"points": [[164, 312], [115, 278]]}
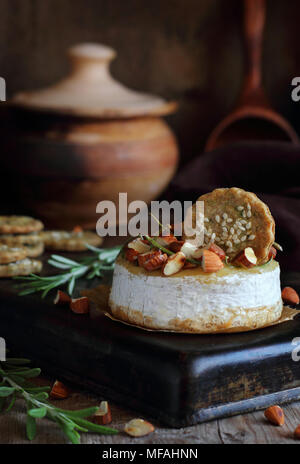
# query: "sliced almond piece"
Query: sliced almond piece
{"points": [[103, 415], [176, 246], [131, 255], [174, 264], [166, 240], [246, 258], [138, 428], [139, 245], [59, 391], [80, 305], [218, 250], [272, 253], [211, 262], [61, 298], [188, 249]]}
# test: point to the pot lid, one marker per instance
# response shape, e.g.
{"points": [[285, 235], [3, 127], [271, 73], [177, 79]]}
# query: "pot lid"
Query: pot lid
{"points": [[90, 91]]}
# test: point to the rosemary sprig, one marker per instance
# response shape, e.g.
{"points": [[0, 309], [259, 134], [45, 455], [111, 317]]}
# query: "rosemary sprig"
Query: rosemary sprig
{"points": [[14, 375], [89, 267]]}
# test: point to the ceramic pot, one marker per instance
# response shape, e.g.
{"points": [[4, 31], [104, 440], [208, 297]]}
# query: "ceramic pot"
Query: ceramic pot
{"points": [[86, 139]]}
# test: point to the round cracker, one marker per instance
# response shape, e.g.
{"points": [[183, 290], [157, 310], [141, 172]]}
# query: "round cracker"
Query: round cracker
{"points": [[21, 268], [21, 239], [69, 241], [239, 219], [19, 225], [12, 254]]}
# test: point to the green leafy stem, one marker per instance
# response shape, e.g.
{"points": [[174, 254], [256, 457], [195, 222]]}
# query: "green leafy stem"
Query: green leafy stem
{"points": [[14, 375], [102, 260]]}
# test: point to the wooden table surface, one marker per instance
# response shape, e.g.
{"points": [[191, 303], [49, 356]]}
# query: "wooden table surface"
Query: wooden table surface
{"points": [[248, 428]]}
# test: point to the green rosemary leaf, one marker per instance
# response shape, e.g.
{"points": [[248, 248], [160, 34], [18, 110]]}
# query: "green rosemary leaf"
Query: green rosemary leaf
{"points": [[12, 402], [42, 396], [73, 436], [63, 259], [37, 412], [94, 427], [30, 428], [71, 285], [80, 413], [17, 361], [31, 373], [88, 267], [38, 389], [6, 391], [59, 265]]}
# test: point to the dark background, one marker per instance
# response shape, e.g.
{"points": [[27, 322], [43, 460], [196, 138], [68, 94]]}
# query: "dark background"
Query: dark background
{"points": [[190, 50]]}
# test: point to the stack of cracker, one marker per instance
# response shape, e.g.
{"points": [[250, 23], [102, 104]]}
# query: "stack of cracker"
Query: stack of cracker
{"points": [[76, 240], [19, 242]]}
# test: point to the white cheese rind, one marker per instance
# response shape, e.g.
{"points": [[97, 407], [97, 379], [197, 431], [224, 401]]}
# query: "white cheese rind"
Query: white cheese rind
{"points": [[225, 299]]}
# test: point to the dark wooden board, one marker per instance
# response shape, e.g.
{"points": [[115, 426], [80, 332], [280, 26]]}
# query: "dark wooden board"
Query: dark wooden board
{"points": [[174, 378]]}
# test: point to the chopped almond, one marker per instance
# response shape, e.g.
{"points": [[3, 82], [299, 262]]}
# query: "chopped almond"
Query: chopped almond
{"points": [[131, 255], [211, 262], [272, 253], [289, 295], [166, 240], [80, 305], [174, 264], [246, 258], [103, 415], [218, 250], [59, 391], [188, 249], [176, 246], [139, 245], [153, 260], [61, 298]]}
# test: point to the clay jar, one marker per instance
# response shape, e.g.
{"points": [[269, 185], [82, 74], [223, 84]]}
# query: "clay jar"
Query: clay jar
{"points": [[86, 139]]}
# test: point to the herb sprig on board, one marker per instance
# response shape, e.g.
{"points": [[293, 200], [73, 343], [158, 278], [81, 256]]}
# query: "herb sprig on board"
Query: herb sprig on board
{"points": [[102, 260], [14, 375]]}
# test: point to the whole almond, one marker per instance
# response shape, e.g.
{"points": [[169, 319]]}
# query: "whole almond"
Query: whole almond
{"points": [[138, 428], [211, 262], [289, 295], [275, 415]]}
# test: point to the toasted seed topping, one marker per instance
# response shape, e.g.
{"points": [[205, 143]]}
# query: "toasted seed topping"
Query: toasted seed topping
{"points": [[217, 218], [252, 237]]}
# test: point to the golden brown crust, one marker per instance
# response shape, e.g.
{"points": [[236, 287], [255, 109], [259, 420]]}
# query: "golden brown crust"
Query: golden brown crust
{"points": [[21, 239], [10, 255], [20, 268], [239, 219], [19, 225], [254, 319], [69, 241], [35, 250]]}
